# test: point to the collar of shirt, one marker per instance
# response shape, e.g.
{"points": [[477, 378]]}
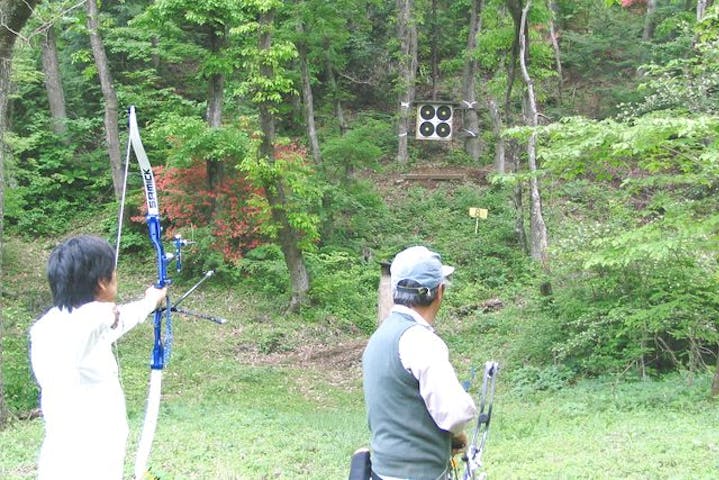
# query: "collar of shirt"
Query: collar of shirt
{"points": [[416, 316]]}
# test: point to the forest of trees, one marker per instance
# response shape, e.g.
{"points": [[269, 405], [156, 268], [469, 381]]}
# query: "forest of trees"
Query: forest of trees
{"points": [[261, 113]]}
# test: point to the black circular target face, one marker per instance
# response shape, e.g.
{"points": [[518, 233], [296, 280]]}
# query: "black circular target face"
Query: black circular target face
{"points": [[443, 130], [426, 112], [426, 129], [444, 112]]}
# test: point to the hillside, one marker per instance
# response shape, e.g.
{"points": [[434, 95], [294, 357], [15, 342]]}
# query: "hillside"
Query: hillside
{"points": [[275, 396]]}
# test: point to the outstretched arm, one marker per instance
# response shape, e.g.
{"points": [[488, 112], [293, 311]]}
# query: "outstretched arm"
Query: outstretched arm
{"points": [[130, 314]]}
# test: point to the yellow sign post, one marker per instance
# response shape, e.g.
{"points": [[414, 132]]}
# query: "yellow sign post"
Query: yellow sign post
{"points": [[478, 213]]}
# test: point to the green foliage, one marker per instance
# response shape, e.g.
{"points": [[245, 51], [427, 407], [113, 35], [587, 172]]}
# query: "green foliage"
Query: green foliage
{"points": [[291, 178], [48, 179], [488, 259], [343, 290], [361, 147], [685, 77], [265, 270], [601, 48], [530, 379], [495, 38], [635, 290], [649, 313], [19, 387], [352, 209], [266, 79], [351, 215], [665, 143], [344, 287]]}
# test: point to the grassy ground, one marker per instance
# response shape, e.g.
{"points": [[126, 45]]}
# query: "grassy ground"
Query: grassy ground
{"points": [[239, 406], [262, 422], [270, 397]]}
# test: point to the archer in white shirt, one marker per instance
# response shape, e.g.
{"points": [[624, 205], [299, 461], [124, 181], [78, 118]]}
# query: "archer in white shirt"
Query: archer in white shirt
{"points": [[82, 402]]}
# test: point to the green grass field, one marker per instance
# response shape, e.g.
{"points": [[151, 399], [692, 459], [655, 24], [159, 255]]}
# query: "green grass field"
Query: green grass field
{"points": [[268, 396], [233, 408]]}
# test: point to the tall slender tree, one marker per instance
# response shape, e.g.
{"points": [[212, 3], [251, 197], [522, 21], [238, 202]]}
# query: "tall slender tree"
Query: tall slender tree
{"points": [[649, 20], [215, 99], [538, 230], [335, 95], [515, 10], [53, 81], [308, 101], [554, 39], [472, 143], [112, 129], [274, 186], [407, 35], [13, 16], [205, 26]]}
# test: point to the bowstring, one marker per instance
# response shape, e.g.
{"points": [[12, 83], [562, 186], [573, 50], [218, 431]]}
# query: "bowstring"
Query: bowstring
{"points": [[120, 221]]}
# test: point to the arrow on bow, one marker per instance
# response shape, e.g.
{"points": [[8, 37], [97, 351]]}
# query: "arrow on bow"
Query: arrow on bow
{"points": [[162, 345]]}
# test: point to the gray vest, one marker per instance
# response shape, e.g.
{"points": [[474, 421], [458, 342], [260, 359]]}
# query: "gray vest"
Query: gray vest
{"points": [[406, 442]]}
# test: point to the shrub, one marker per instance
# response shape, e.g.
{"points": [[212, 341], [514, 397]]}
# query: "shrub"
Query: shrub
{"points": [[344, 287], [20, 389], [48, 179]]}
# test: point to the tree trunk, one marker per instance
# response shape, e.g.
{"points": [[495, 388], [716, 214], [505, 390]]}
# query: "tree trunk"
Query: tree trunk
{"points": [[112, 131], [538, 244], [555, 47], [701, 8], [215, 97], [407, 34], [515, 10], [518, 199], [335, 94], [215, 92], [14, 14], [499, 147], [53, 82], [307, 98], [715, 381], [649, 21], [435, 51], [154, 56], [472, 145], [275, 188]]}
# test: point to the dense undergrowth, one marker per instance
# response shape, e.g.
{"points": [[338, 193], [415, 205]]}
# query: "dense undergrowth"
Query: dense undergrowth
{"points": [[638, 317], [275, 395]]}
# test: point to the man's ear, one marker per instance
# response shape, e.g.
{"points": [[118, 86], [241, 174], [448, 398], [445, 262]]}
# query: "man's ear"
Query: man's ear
{"points": [[105, 290], [102, 285], [440, 291]]}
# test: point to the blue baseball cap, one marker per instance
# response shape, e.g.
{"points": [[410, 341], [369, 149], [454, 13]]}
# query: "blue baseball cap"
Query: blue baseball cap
{"points": [[421, 265]]}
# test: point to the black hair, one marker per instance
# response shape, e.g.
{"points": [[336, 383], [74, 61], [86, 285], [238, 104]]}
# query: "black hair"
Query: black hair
{"points": [[412, 294], [76, 267]]}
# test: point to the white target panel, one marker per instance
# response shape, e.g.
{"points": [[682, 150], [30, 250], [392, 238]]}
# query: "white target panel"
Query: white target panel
{"points": [[434, 121]]}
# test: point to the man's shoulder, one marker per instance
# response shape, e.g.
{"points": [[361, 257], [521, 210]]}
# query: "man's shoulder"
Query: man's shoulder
{"points": [[422, 333]]}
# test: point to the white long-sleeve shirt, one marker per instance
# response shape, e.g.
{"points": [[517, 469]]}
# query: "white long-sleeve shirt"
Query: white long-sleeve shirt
{"points": [[82, 402], [426, 357]]}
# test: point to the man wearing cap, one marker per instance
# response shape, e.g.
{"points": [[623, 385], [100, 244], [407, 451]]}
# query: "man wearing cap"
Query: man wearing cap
{"points": [[416, 407]]}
